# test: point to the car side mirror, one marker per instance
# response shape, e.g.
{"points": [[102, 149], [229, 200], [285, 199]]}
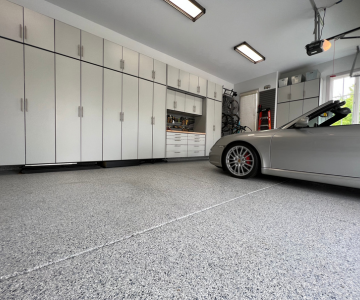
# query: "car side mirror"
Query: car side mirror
{"points": [[302, 123]]}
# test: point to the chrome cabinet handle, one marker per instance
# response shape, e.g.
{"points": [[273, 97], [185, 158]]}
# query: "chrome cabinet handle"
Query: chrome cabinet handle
{"points": [[214, 127], [177, 145], [22, 104], [21, 33], [194, 108], [153, 120], [79, 111], [82, 111], [198, 89], [26, 105], [177, 152], [25, 33], [82, 51], [179, 82], [79, 50], [175, 104], [123, 116]]}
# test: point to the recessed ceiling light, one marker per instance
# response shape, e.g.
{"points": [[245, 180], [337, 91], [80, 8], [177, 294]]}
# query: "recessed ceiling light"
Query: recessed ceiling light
{"points": [[249, 52], [189, 8]]}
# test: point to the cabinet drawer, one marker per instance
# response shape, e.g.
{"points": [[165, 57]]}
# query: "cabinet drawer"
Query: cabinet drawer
{"points": [[195, 136], [196, 147], [173, 134], [176, 154], [196, 153], [176, 141], [176, 148], [197, 142]]}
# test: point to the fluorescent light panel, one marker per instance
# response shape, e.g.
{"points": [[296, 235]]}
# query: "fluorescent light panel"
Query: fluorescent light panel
{"points": [[249, 52], [189, 8]]}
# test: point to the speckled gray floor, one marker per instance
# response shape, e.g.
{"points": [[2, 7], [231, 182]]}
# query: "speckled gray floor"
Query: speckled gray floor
{"points": [[176, 231]]}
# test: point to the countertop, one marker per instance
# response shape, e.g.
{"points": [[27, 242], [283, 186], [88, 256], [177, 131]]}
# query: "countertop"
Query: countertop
{"points": [[188, 132]]}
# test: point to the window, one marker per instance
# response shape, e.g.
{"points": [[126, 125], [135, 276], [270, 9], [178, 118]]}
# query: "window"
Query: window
{"points": [[346, 88]]}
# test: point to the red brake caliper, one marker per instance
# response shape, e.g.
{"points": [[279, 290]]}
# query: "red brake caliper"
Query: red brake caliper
{"points": [[247, 158]]}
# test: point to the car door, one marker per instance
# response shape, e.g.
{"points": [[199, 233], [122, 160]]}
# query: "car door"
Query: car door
{"points": [[332, 150]]}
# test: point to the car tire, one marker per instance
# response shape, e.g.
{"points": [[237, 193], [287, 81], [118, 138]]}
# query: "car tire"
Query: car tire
{"points": [[241, 160]]}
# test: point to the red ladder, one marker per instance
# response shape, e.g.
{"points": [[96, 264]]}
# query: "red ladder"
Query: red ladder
{"points": [[261, 118]]}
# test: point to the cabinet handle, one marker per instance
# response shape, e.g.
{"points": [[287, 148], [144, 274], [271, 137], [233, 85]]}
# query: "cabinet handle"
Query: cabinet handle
{"points": [[123, 65], [289, 96], [194, 108], [179, 82], [196, 151], [25, 33], [82, 111], [21, 31], [82, 51], [177, 145], [175, 104], [177, 152], [215, 95], [214, 127], [22, 104], [123, 114], [79, 50], [79, 111], [198, 89], [26, 105], [153, 120]]}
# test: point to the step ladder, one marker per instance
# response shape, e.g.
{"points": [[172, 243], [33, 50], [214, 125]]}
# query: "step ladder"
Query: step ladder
{"points": [[261, 118]]}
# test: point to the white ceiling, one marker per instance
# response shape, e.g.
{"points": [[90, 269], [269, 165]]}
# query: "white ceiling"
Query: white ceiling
{"points": [[278, 29]]}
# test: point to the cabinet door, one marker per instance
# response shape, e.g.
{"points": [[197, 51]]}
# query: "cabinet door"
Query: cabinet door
{"points": [[297, 91], [170, 100], [112, 55], [217, 121], [130, 62], [40, 106], [173, 77], [310, 104], [312, 88], [211, 90], [159, 114], [218, 92], [210, 122], [67, 39], [198, 105], [194, 84], [160, 72], [11, 21], [184, 80], [67, 109], [296, 109], [189, 104], [202, 86], [91, 115], [38, 30], [130, 104], [282, 114], [111, 115], [284, 94], [180, 101], [92, 48], [12, 135], [146, 90], [146, 67]]}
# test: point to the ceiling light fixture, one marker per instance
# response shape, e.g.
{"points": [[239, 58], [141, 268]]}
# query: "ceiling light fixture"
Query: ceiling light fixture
{"points": [[249, 52], [189, 8]]}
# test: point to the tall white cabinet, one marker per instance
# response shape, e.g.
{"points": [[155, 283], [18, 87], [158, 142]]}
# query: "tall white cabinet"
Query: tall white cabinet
{"points": [[12, 129], [213, 123], [39, 106]]}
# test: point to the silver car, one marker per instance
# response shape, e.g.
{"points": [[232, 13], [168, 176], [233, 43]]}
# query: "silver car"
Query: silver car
{"points": [[307, 148]]}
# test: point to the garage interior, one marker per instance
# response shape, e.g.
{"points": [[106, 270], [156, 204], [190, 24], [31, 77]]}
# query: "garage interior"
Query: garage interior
{"points": [[109, 111]]}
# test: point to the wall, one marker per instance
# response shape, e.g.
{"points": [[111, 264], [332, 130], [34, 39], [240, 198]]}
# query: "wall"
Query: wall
{"points": [[70, 18], [257, 83]]}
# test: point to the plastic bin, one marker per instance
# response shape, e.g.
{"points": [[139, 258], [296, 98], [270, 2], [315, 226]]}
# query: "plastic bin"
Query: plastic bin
{"points": [[296, 79], [311, 75], [283, 82]]}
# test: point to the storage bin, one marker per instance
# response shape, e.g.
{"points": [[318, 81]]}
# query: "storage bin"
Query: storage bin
{"points": [[311, 75], [296, 79], [283, 82]]}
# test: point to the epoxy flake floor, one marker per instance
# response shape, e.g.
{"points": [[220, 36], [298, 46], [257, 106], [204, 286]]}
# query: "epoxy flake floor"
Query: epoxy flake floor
{"points": [[180, 230]]}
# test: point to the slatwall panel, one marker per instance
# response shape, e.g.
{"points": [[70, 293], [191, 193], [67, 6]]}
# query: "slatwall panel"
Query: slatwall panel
{"points": [[267, 100]]}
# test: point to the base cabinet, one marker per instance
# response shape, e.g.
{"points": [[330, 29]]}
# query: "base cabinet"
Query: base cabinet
{"points": [[184, 144], [12, 129], [39, 106]]}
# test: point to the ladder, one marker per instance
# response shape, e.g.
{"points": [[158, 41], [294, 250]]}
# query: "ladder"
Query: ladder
{"points": [[261, 118]]}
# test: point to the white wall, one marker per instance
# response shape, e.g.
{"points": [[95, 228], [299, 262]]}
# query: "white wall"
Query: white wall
{"points": [[70, 18], [257, 83]]}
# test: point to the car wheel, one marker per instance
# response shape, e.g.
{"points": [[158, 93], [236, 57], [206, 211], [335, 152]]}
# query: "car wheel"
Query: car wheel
{"points": [[241, 161]]}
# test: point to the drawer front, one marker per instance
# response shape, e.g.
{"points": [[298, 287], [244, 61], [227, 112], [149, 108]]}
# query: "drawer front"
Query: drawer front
{"points": [[196, 142], [196, 153], [196, 147], [196, 136], [176, 148], [176, 154], [173, 134], [176, 141]]}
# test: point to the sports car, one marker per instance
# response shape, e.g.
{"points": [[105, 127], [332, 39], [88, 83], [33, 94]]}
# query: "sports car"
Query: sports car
{"points": [[309, 148]]}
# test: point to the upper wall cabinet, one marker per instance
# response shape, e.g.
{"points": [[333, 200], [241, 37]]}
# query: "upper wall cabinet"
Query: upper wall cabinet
{"points": [[91, 48], [299, 91], [178, 78], [38, 30], [211, 90], [11, 21], [67, 39], [312, 88], [112, 55], [152, 69], [197, 85], [130, 62], [218, 92]]}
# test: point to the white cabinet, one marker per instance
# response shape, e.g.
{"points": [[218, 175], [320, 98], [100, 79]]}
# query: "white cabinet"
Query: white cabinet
{"points": [[130, 104], [12, 135], [198, 105], [189, 104], [91, 48], [297, 91], [180, 101], [194, 84], [202, 87], [184, 80], [173, 77], [312, 88], [282, 115], [67, 109], [170, 99], [159, 72], [130, 62], [211, 90], [310, 104], [152, 69], [91, 112], [38, 30], [213, 123], [296, 109], [67, 39], [11, 21], [284, 94], [218, 92], [159, 121], [146, 90], [112, 55], [217, 121], [39, 106], [112, 115]]}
